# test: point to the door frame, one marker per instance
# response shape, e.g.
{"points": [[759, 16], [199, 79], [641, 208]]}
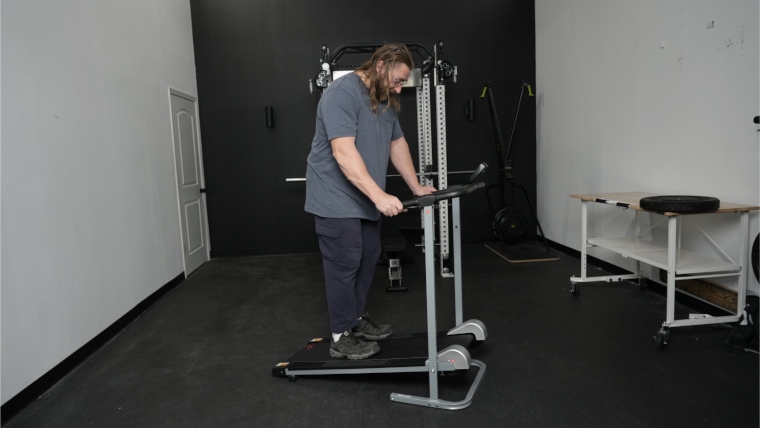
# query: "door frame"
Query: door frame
{"points": [[194, 100]]}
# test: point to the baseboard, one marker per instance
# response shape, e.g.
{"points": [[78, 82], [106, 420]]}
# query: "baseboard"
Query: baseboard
{"points": [[16, 404]]}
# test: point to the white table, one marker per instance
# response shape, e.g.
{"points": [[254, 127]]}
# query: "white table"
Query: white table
{"points": [[679, 263]]}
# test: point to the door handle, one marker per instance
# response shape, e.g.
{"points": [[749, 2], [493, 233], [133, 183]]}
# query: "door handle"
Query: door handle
{"points": [[203, 190]]}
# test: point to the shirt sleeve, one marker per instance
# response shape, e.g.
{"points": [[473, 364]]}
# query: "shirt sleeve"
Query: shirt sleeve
{"points": [[339, 114], [397, 133]]}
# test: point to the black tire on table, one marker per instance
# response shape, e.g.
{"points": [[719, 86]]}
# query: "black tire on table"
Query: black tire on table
{"points": [[680, 204]]}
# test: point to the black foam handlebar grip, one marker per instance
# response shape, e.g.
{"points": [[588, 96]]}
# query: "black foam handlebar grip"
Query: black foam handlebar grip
{"points": [[448, 193], [421, 201]]}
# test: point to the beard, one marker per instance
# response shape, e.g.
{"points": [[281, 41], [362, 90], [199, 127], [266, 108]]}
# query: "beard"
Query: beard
{"points": [[383, 90]]}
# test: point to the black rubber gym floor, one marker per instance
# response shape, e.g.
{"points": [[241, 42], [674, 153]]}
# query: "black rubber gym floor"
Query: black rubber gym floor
{"points": [[202, 356]]}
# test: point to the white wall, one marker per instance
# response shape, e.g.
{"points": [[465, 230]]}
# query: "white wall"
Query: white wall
{"points": [[641, 95], [90, 224]]}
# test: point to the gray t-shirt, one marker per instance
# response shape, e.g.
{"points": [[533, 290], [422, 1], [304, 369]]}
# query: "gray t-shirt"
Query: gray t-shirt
{"points": [[344, 111]]}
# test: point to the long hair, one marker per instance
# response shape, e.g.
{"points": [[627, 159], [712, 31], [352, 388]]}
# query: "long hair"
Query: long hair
{"points": [[391, 54]]}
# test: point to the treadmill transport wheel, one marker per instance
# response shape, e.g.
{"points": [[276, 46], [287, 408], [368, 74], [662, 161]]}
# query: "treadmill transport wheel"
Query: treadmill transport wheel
{"points": [[680, 204]]}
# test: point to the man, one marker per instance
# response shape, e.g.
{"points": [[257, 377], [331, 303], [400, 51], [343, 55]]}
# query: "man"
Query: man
{"points": [[357, 132]]}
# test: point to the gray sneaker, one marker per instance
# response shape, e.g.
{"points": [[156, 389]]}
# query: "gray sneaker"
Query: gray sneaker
{"points": [[351, 347], [371, 330]]}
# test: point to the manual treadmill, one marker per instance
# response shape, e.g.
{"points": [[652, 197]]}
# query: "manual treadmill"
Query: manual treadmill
{"points": [[400, 353]]}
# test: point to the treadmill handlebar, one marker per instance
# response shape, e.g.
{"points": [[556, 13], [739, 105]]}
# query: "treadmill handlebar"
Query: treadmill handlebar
{"points": [[451, 192]]}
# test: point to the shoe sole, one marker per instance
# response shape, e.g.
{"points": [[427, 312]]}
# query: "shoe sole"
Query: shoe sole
{"points": [[366, 336], [336, 354]]}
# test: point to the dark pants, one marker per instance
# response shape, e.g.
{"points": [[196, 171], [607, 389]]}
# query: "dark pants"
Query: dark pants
{"points": [[350, 249]]}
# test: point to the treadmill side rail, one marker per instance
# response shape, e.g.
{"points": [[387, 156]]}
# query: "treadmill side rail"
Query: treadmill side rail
{"points": [[414, 369], [474, 327]]}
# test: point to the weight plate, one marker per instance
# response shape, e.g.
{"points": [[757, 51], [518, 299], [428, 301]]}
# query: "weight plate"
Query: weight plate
{"points": [[446, 69], [510, 225], [322, 79], [680, 204]]}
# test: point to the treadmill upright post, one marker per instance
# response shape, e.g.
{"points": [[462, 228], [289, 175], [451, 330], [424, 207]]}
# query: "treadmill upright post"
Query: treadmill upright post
{"points": [[457, 261], [432, 333], [432, 362]]}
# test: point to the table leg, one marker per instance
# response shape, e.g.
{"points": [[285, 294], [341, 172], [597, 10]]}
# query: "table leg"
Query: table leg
{"points": [[742, 286], [672, 259], [584, 237]]}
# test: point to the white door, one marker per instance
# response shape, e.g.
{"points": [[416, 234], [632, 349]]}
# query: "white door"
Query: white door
{"points": [[189, 168]]}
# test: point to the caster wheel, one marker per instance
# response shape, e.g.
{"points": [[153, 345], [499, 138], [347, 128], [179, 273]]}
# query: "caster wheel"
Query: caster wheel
{"points": [[661, 340], [642, 284], [576, 290], [292, 378]]}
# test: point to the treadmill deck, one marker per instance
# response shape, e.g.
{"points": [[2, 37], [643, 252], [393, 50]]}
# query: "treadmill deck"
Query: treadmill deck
{"points": [[396, 351]]}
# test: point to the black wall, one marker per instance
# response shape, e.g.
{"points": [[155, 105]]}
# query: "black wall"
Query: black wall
{"points": [[255, 53]]}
